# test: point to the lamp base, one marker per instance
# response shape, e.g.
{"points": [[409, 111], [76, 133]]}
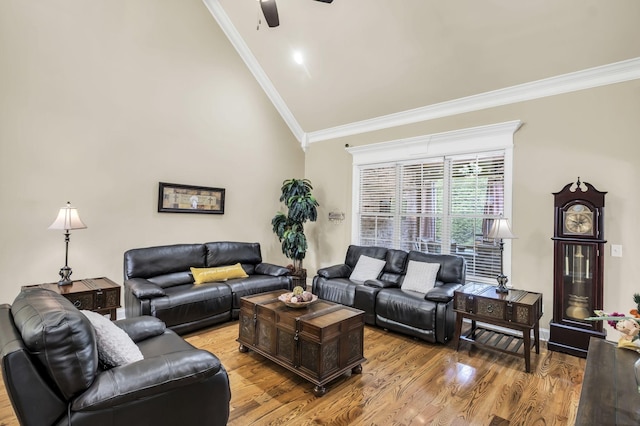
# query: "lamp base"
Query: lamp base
{"points": [[65, 273], [502, 284]]}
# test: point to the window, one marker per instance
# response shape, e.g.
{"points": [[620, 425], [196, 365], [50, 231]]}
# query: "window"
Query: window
{"points": [[440, 200], [438, 205]]}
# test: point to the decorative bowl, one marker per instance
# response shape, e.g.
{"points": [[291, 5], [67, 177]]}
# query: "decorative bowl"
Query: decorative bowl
{"points": [[282, 298]]}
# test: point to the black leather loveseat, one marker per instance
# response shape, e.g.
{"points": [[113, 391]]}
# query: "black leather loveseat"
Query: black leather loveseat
{"points": [[428, 316], [52, 370], [159, 282]]}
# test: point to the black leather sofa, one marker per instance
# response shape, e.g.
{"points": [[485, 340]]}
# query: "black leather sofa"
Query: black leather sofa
{"points": [[427, 316], [52, 374], [158, 282]]}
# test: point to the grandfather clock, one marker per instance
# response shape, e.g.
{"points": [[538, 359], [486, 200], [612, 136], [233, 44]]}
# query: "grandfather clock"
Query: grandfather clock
{"points": [[578, 267]]}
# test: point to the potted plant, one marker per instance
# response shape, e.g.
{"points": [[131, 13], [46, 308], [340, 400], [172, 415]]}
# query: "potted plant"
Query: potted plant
{"points": [[302, 206]]}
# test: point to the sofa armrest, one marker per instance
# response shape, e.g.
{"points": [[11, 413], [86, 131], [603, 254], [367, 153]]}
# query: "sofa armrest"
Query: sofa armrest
{"points": [[144, 289], [380, 283], [151, 376], [273, 270], [335, 271], [442, 293], [141, 328]]}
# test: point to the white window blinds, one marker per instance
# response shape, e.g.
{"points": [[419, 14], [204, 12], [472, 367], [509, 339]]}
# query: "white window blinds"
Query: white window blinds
{"points": [[436, 205]]}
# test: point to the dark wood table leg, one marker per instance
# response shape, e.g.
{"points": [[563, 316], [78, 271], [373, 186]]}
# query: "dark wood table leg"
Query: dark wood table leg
{"points": [[242, 348], [536, 336], [526, 335], [319, 390], [458, 330]]}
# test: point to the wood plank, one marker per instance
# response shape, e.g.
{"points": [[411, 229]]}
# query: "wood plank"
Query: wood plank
{"points": [[610, 389], [404, 381]]}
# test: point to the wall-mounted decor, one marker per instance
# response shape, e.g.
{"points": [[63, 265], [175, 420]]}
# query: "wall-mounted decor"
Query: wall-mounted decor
{"points": [[175, 198]]}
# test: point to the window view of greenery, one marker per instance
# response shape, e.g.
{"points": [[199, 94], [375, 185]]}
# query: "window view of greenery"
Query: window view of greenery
{"points": [[443, 205]]}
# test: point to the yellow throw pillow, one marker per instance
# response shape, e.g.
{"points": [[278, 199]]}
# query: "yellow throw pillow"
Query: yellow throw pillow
{"points": [[220, 273]]}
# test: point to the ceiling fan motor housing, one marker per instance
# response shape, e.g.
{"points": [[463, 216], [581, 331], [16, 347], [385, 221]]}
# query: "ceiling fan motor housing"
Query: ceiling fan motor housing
{"points": [[270, 11]]}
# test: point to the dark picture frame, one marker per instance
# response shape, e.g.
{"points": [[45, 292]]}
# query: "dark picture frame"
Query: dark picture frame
{"points": [[177, 198]]}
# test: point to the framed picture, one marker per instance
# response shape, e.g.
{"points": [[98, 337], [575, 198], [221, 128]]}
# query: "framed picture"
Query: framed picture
{"points": [[175, 198]]}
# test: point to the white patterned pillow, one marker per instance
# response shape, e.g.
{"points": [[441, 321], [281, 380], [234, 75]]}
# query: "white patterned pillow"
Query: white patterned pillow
{"points": [[421, 276], [367, 268], [115, 347]]}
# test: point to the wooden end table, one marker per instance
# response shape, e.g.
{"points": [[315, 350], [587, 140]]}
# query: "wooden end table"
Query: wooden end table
{"points": [[92, 294], [517, 310]]}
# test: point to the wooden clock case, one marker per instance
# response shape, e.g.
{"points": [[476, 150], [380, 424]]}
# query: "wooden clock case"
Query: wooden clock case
{"points": [[578, 268]]}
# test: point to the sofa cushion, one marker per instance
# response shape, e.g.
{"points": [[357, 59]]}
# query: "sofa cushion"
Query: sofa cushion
{"points": [[395, 265], [406, 307], [335, 271], [336, 290], [273, 270], [223, 253], [162, 260], [367, 268], [354, 252], [395, 261], [115, 347], [59, 336], [175, 278], [420, 277], [218, 273], [141, 328], [452, 268], [255, 284], [189, 302]]}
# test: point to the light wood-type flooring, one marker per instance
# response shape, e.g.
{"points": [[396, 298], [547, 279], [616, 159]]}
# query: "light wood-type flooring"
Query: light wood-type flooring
{"points": [[403, 382]]}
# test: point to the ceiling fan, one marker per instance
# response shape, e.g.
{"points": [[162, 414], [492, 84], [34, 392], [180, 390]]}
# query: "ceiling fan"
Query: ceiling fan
{"points": [[270, 11]]}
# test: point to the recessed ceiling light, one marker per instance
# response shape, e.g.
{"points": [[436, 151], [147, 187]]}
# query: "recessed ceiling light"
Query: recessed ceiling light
{"points": [[298, 58]]}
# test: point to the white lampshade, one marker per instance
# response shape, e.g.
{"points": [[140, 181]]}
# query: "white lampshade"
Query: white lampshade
{"points": [[67, 219], [501, 230]]}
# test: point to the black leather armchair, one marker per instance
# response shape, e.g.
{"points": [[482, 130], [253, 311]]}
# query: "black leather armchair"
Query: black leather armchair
{"points": [[52, 374], [427, 316]]}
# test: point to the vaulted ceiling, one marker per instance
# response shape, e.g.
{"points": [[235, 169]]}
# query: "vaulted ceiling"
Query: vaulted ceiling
{"points": [[368, 60]]}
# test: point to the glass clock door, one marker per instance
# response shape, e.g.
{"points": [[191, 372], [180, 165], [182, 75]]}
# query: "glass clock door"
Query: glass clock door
{"points": [[579, 261]]}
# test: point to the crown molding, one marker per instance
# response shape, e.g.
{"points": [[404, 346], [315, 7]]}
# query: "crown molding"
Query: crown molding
{"points": [[616, 72], [474, 139], [586, 79]]}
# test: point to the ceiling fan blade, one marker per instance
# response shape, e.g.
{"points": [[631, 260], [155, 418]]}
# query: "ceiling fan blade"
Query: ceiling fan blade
{"points": [[325, 1], [270, 11]]}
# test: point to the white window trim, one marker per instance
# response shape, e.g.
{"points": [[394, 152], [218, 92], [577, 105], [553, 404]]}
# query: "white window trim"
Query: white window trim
{"points": [[471, 140]]}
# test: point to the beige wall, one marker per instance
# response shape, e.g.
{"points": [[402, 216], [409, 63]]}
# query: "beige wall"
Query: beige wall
{"points": [[592, 134], [99, 101]]}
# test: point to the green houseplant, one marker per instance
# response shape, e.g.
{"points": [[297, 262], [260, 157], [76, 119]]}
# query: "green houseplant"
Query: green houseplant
{"points": [[301, 206]]}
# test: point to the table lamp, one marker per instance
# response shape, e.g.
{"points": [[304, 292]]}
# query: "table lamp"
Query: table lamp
{"points": [[501, 230], [67, 219]]}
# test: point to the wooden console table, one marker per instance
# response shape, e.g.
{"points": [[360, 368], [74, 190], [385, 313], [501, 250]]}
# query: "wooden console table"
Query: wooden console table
{"points": [[93, 294], [516, 310], [609, 391]]}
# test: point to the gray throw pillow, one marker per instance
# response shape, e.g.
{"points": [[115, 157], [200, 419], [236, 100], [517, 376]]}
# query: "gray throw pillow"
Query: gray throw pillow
{"points": [[115, 347], [367, 268], [421, 276]]}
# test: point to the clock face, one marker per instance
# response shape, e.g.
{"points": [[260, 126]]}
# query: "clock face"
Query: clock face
{"points": [[578, 220]]}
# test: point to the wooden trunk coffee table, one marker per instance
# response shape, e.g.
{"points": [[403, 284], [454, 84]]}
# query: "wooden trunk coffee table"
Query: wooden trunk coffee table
{"points": [[318, 343]]}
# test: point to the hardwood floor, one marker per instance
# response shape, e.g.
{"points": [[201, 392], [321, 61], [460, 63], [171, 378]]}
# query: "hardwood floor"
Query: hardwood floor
{"points": [[403, 382]]}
